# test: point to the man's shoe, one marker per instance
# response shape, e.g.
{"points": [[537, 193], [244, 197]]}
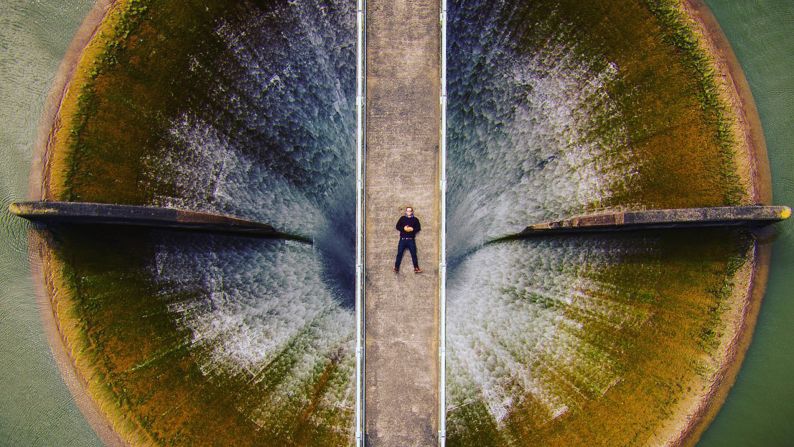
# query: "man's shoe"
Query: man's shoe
{"points": [[395, 270], [417, 270]]}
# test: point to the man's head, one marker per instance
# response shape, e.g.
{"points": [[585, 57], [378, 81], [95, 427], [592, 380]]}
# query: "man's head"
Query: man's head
{"points": [[409, 211]]}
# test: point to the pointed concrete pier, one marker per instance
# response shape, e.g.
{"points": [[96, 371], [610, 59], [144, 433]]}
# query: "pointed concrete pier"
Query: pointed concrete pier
{"points": [[722, 216], [402, 168], [85, 213]]}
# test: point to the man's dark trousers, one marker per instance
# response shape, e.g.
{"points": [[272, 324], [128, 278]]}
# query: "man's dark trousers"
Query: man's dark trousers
{"points": [[410, 244]]}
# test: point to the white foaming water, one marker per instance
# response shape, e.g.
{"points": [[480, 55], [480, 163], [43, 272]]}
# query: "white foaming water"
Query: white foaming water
{"points": [[259, 311], [272, 135], [533, 135], [269, 135], [518, 316]]}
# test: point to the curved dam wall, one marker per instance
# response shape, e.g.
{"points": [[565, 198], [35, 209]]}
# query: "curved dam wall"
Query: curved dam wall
{"points": [[561, 109], [236, 108], [554, 109]]}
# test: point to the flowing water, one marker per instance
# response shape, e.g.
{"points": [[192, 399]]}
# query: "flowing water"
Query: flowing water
{"points": [[558, 294], [526, 122], [759, 409], [553, 340], [265, 131]]}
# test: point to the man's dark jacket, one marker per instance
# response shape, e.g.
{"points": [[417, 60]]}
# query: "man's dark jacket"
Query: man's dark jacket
{"points": [[411, 222]]}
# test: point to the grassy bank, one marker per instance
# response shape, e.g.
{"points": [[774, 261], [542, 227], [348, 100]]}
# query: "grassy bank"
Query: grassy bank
{"points": [[144, 370]]}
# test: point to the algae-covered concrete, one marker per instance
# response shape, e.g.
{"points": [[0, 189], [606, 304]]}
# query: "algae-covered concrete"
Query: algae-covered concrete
{"points": [[664, 218], [402, 168]]}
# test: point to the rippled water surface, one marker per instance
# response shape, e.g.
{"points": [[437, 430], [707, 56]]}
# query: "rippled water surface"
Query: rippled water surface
{"points": [[760, 408]]}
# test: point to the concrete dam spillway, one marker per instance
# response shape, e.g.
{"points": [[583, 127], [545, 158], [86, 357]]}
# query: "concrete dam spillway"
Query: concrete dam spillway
{"points": [[552, 110]]}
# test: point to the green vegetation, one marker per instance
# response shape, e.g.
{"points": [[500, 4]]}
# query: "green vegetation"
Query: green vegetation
{"points": [[678, 32]]}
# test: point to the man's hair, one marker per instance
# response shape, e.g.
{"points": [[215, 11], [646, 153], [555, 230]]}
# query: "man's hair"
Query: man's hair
{"points": [[407, 207]]}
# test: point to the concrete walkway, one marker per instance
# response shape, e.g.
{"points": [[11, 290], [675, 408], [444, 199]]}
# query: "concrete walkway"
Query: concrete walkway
{"points": [[402, 167]]}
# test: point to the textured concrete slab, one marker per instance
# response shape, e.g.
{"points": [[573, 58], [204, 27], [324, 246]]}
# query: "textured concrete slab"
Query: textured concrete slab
{"points": [[402, 168]]}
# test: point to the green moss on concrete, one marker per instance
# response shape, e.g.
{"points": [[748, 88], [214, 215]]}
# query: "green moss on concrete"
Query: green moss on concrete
{"points": [[144, 370], [680, 290], [131, 82], [679, 127]]}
